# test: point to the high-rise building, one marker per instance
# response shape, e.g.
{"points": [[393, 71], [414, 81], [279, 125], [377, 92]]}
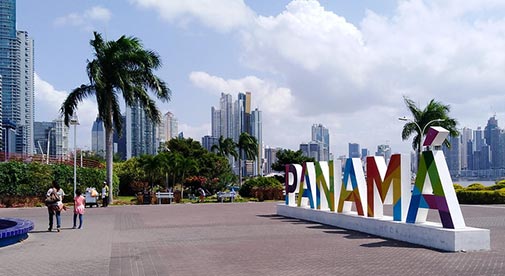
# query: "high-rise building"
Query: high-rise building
{"points": [[384, 151], [270, 158], [322, 135], [453, 155], [311, 149], [16, 69], [52, 137], [171, 127], [354, 151], [209, 141], [226, 105], [492, 123], [215, 122], [478, 139], [466, 135], [140, 133], [98, 137], [120, 140], [256, 131]]}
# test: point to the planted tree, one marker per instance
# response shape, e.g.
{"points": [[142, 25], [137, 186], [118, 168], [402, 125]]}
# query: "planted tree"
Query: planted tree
{"points": [[119, 68], [429, 115]]}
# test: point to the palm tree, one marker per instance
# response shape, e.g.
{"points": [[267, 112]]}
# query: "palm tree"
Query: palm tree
{"points": [[118, 67], [186, 165], [248, 148], [434, 112], [151, 166], [225, 147]]}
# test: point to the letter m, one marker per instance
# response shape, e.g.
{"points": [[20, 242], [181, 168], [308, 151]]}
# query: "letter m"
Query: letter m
{"points": [[388, 186]]}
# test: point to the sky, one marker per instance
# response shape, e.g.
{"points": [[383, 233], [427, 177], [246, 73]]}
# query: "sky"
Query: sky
{"points": [[344, 64]]}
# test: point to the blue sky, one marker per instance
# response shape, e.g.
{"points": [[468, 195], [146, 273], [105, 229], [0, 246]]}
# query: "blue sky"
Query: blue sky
{"points": [[345, 64]]}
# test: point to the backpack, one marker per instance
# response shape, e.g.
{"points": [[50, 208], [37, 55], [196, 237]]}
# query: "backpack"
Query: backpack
{"points": [[51, 198]]}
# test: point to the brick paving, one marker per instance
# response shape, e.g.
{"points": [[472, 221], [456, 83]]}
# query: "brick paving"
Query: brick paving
{"points": [[232, 239]]}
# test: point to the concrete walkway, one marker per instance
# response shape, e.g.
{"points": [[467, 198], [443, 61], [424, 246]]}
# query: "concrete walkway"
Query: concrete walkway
{"points": [[232, 239]]}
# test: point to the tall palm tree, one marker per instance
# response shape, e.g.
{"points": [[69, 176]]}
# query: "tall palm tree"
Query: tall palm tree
{"points": [[225, 147], [424, 117], [118, 67], [248, 148]]}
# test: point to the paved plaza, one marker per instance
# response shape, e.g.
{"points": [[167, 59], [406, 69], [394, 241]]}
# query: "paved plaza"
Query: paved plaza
{"points": [[232, 239]]}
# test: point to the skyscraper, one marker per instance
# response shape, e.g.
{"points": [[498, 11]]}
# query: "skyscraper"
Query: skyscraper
{"points": [[354, 151], [98, 137], [140, 133], [257, 132], [226, 105], [466, 135], [16, 68], [453, 155], [171, 126], [321, 134], [51, 137]]}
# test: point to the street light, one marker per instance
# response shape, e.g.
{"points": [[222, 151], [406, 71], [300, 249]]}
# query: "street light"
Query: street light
{"points": [[48, 142], [75, 121], [421, 133]]}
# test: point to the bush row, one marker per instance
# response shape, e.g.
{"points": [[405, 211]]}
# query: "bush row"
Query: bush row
{"points": [[477, 193], [20, 180], [262, 188]]}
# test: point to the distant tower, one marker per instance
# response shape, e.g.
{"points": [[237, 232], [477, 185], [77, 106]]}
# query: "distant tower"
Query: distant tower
{"points": [[321, 134], [171, 127], [256, 131], [16, 69], [140, 133], [98, 137], [354, 151]]}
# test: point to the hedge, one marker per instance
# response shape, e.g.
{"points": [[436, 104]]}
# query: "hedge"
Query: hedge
{"points": [[477, 193], [20, 180]]}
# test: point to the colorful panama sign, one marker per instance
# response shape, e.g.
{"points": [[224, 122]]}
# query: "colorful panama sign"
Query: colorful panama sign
{"points": [[320, 185]]}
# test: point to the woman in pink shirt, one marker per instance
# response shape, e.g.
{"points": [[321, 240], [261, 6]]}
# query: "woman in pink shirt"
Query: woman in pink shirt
{"points": [[79, 203]]}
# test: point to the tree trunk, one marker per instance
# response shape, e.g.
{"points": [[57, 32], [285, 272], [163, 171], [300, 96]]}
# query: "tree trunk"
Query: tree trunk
{"points": [[240, 171], [108, 159]]}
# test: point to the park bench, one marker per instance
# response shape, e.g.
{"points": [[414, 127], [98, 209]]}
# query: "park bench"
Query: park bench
{"points": [[223, 195], [161, 195]]}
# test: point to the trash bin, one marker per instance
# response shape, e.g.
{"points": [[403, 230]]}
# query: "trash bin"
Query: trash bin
{"points": [[146, 198]]}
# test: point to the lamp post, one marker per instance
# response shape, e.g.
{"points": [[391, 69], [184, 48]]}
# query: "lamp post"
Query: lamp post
{"points": [[75, 121], [48, 143], [421, 133]]}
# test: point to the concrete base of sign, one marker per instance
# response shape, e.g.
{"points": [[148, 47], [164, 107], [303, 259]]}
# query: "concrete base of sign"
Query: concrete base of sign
{"points": [[427, 234]]}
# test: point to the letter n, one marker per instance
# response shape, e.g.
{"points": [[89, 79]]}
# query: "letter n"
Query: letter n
{"points": [[356, 191]]}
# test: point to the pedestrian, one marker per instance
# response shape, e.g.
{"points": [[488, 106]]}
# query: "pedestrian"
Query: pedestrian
{"points": [[202, 194], [79, 204], [56, 207], [105, 194]]}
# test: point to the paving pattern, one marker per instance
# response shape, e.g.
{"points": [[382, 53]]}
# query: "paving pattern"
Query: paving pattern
{"points": [[232, 239]]}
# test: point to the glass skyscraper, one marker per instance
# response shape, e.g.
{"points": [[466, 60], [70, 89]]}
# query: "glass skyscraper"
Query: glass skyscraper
{"points": [[16, 69]]}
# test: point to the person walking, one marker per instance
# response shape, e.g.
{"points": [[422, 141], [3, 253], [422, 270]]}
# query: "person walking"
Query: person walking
{"points": [[202, 194], [56, 207], [79, 204], [105, 194]]}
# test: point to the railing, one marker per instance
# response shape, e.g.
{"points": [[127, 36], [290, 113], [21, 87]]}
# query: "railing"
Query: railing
{"points": [[41, 158]]}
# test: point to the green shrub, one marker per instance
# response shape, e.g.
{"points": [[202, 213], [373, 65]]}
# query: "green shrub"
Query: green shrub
{"points": [[458, 187], [475, 187], [481, 197], [263, 188]]}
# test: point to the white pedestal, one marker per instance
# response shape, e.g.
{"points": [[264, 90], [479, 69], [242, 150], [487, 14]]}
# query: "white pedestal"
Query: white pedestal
{"points": [[427, 234]]}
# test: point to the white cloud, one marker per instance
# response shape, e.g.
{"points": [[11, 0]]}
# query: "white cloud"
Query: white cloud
{"points": [[195, 132], [352, 78], [222, 15], [86, 19], [48, 102]]}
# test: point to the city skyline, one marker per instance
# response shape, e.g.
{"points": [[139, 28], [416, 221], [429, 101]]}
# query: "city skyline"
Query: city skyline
{"points": [[344, 65]]}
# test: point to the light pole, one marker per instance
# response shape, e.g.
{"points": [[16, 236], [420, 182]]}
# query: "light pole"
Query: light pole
{"points": [[421, 133], [48, 142], [75, 121]]}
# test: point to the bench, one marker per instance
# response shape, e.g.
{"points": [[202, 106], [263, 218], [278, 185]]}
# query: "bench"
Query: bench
{"points": [[161, 195], [222, 195]]}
